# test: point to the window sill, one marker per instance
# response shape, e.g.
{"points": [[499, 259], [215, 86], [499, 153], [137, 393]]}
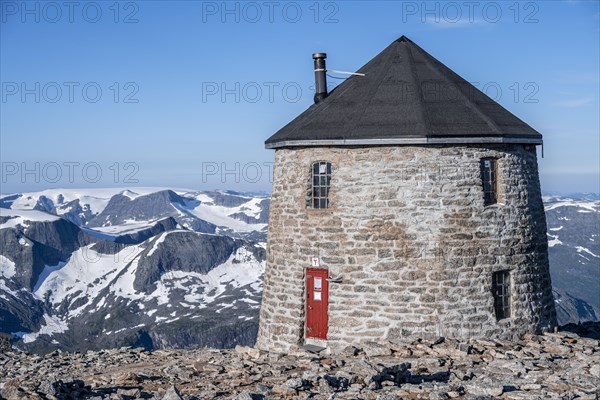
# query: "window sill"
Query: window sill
{"points": [[319, 210], [495, 205]]}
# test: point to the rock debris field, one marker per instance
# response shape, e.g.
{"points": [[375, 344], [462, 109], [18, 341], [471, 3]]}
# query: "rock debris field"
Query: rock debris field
{"points": [[563, 365]]}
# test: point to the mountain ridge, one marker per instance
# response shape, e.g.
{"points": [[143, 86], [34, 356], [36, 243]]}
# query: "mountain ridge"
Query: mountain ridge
{"points": [[130, 274]]}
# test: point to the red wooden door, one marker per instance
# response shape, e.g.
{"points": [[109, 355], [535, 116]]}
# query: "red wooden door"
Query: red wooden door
{"points": [[317, 299]]}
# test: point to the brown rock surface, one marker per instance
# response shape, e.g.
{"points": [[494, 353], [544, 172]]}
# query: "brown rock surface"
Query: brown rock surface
{"points": [[561, 365]]}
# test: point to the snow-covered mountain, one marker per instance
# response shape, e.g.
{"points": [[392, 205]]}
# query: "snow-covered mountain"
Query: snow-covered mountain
{"points": [[89, 269], [574, 251], [104, 268], [117, 211]]}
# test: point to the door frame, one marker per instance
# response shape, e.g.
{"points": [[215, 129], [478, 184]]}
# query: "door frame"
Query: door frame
{"points": [[305, 300]]}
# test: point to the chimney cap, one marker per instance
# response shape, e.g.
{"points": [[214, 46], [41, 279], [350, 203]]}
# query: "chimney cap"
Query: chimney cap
{"points": [[317, 56]]}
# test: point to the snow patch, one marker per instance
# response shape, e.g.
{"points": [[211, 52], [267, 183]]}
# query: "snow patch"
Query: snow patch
{"points": [[130, 226], [222, 216], [5, 289], [590, 206], [157, 242], [581, 249], [554, 241], [129, 194], [249, 301], [85, 275], [206, 288], [7, 267], [22, 217], [48, 269], [52, 325]]}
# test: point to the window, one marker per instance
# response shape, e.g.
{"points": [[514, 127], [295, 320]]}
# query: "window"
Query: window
{"points": [[501, 292], [489, 179], [321, 179]]}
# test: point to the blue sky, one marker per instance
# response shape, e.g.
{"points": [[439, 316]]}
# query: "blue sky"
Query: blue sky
{"points": [[184, 93]]}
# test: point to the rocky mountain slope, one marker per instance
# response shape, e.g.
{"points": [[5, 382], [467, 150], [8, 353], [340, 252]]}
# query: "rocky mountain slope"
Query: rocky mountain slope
{"points": [[572, 310], [574, 251], [563, 365], [155, 269]]}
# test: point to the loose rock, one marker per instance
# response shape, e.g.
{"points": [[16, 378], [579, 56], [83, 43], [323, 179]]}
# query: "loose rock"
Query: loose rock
{"points": [[554, 365]]}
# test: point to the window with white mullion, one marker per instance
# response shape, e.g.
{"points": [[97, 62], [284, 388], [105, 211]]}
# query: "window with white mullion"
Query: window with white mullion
{"points": [[321, 183]]}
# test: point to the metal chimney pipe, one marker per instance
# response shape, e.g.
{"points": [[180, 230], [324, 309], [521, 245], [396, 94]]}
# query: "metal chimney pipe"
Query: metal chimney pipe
{"points": [[320, 77]]}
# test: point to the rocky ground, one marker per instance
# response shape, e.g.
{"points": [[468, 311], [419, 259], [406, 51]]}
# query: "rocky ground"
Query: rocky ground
{"points": [[562, 365]]}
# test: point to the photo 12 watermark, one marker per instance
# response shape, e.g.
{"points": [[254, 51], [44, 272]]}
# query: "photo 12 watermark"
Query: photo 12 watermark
{"points": [[438, 91], [253, 12], [52, 12], [236, 172], [252, 92], [429, 91], [69, 92], [55, 172], [125, 255], [447, 13]]}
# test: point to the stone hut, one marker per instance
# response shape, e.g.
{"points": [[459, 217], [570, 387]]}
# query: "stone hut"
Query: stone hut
{"points": [[406, 203]]}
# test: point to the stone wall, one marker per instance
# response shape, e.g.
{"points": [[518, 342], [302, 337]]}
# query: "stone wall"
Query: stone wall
{"points": [[408, 233]]}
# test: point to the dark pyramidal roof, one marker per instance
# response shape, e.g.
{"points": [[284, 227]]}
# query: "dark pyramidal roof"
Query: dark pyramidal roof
{"points": [[406, 97]]}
